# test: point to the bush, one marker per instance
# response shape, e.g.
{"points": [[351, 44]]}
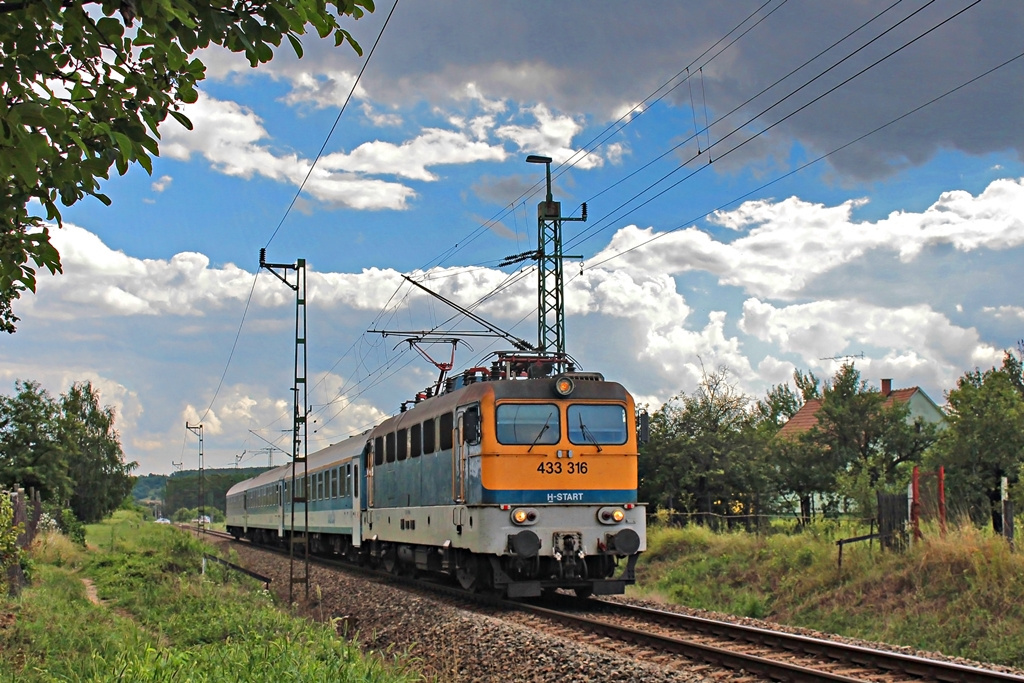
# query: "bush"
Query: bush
{"points": [[10, 553]]}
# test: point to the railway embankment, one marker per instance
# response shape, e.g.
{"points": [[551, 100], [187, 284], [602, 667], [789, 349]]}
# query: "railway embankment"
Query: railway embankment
{"points": [[961, 593]]}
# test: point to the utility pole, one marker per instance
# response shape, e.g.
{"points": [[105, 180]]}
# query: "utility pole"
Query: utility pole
{"points": [[550, 293], [198, 431], [295, 491]]}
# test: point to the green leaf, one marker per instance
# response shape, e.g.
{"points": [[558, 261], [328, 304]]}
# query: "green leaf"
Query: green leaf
{"points": [[296, 45], [187, 94], [181, 118]]}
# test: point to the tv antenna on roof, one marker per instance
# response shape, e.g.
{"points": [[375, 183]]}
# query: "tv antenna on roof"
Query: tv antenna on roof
{"points": [[847, 357]]}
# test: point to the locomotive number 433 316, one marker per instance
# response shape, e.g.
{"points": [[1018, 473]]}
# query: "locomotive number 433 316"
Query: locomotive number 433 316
{"points": [[549, 467]]}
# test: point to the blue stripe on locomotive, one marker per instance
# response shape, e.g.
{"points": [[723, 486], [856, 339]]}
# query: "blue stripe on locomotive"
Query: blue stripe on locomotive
{"points": [[558, 496]]}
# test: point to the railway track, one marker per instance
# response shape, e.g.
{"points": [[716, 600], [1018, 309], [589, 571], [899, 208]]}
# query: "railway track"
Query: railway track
{"points": [[775, 655], [677, 641]]}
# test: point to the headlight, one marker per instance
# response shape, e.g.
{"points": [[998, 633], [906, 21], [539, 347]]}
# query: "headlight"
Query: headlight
{"points": [[564, 386], [524, 516], [611, 515]]}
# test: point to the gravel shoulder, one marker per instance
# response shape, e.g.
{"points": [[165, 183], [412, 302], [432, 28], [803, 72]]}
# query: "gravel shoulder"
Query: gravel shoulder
{"points": [[452, 644]]}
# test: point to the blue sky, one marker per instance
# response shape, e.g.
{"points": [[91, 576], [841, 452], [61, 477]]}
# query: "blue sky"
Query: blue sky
{"points": [[902, 246]]}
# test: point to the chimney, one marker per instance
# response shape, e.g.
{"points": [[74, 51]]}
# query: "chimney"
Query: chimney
{"points": [[886, 387]]}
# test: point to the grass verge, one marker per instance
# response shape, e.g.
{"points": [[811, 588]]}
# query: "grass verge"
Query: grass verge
{"points": [[161, 620], [962, 594]]}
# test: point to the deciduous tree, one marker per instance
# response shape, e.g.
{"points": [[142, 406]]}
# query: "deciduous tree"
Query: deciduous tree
{"points": [[31, 451], [66, 449], [985, 438], [96, 462]]}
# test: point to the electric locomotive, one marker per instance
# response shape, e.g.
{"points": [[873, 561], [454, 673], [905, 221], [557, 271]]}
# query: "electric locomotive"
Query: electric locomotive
{"points": [[520, 484], [508, 480]]}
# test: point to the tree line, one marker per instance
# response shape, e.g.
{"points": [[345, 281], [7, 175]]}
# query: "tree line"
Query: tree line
{"points": [[717, 451], [66, 448], [182, 488]]}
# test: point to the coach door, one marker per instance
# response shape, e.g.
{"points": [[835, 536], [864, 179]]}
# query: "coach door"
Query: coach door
{"points": [[459, 460], [279, 492], [467, 433]]}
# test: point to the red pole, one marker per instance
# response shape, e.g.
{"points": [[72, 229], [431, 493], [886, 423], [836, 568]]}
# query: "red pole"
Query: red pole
{"points": [[915, 505], [942, 500]]}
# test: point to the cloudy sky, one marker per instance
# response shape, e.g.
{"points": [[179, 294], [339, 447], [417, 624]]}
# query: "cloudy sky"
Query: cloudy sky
{"points": [[771, 185]]}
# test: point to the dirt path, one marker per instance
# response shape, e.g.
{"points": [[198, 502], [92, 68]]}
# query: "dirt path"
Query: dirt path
{"points": [[90, 592]]}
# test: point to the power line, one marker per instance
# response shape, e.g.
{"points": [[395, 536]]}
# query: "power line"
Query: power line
{"points": [[816, 160], [609, 218], [337, 119], [298, 192]]}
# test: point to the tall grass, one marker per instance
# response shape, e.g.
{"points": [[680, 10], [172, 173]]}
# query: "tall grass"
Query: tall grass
{"points": [[160, 620], [961, 594]]}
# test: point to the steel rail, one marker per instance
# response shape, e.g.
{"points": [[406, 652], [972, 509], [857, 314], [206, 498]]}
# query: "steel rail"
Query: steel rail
{"points": [[913, 665]]}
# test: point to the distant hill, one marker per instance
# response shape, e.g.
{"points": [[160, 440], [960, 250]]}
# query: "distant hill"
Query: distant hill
{"points": [[181, 489], [149, 487]]}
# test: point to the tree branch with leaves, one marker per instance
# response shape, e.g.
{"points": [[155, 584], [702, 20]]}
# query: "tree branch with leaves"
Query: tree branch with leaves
{"points": [[84, 86]]}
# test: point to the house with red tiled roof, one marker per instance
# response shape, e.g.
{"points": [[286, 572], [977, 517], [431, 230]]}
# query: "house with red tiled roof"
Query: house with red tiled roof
{"points": [[920, 404]]}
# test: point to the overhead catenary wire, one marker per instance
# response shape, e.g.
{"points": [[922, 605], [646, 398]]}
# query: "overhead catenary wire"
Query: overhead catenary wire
{"points": [[624, 120], [291, 204], [616, 126], [589, 233], [812, 162], [845, 81], [337, 119]]}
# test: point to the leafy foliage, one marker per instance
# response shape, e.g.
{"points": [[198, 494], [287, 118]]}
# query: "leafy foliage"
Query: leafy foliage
{"points": [[10, 553], [716, 451], [985, 438], [68, 450], [31, 452], [87, 84], [704, 455]]}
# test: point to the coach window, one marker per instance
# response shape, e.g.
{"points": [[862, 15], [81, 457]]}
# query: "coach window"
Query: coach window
{"points": [[527, 424], [415, 440], [389, 447], [447, 425], [378, 451], [403, 444], [334, 482], [348, 479], [429, 436]]}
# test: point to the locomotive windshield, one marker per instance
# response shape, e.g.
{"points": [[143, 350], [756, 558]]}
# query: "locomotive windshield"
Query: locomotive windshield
{"points": [[527, 423], [597, 424]]}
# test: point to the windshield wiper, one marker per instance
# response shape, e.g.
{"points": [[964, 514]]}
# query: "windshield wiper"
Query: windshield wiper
{"points": [[540, 433], [588, 435]]}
